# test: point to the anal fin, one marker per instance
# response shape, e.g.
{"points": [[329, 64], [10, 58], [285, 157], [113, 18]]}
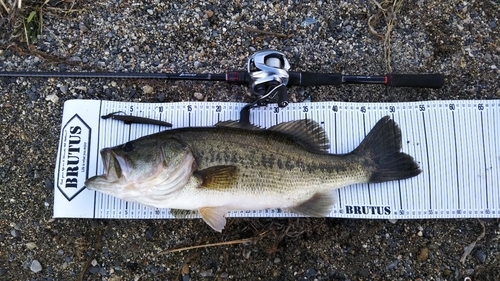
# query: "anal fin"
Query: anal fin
{"points": [[214, 217], [319, 205]]}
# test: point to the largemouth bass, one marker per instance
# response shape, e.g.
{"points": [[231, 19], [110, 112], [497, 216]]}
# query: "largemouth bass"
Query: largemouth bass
{"points": [[242, 167]]}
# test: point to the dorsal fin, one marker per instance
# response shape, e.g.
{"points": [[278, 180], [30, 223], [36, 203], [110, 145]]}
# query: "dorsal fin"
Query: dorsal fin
{"points": [[237, 124], [309, 134]]}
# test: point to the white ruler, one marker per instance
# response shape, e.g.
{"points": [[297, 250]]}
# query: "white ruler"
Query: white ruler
{"points": [[456, 144]]}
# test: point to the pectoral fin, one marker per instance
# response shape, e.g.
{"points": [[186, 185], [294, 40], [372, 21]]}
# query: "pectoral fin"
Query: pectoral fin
{"points": [[214, 217], [319, 205], [218, 177]]}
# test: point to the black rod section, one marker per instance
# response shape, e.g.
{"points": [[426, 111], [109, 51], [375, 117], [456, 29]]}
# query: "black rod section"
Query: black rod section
{"points": [[122, 75]]}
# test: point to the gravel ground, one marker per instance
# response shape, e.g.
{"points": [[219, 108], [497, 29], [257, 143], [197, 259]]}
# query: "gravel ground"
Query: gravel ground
{"points": [[457, 38]]}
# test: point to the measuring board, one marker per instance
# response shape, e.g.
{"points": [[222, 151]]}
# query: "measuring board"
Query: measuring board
{"points": [[456, 144]]}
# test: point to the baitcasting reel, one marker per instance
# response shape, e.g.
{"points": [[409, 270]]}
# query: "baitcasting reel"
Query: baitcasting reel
{"points": [[269, 77]]}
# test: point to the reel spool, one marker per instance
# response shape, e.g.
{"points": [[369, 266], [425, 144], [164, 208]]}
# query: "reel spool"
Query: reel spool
{"points": [[268, 71]]}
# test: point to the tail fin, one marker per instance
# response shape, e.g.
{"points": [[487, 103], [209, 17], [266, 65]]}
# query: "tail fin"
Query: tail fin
{"points": [[381, 147]]}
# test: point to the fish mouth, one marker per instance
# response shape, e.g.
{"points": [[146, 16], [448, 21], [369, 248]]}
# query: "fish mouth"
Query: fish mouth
{"points": [[115, 168]]}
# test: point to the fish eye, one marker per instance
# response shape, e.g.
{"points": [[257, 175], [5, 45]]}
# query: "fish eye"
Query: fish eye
{"points": [[129, 146]]}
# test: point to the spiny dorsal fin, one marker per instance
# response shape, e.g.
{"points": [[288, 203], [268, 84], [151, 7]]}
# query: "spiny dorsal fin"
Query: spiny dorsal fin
{"points": [[317, 206], [214, 217], [237, 124], [218, 177], [309, 134]]}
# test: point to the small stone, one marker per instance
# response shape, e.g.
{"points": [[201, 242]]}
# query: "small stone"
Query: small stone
{"points": [[15, 233], [147, 89], [33, 95], [392, 265], [2, 271], [198, 96], [93, 269], [149, 234], [277, 260], [185, 269], [423, 255], [150, 11], [481, 256], [186, 277], [63, 88], [113, 84], [447, 272], [35, 266], [53, 98], [30, 245], [209, 13], [310, 273], [206, 273], [365, 272], [60, 252]]}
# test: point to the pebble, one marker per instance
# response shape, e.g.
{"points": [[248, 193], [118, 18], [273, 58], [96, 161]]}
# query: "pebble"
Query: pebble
{"points": [[206, 273], [35, 266], [392, 265], [423, 255], [365, 272], [33, 95], [53, 98], [481, 256], [30, 245], [63, 88], [310, 273], [147, 89], [198, 96], [149, 234], [15, 233], [2, 271]]}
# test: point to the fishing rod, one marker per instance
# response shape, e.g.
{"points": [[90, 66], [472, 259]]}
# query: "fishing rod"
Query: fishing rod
{"points": [[267, 76]]}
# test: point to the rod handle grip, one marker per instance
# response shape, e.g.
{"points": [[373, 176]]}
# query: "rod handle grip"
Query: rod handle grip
{"points": [[434, 80]]}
